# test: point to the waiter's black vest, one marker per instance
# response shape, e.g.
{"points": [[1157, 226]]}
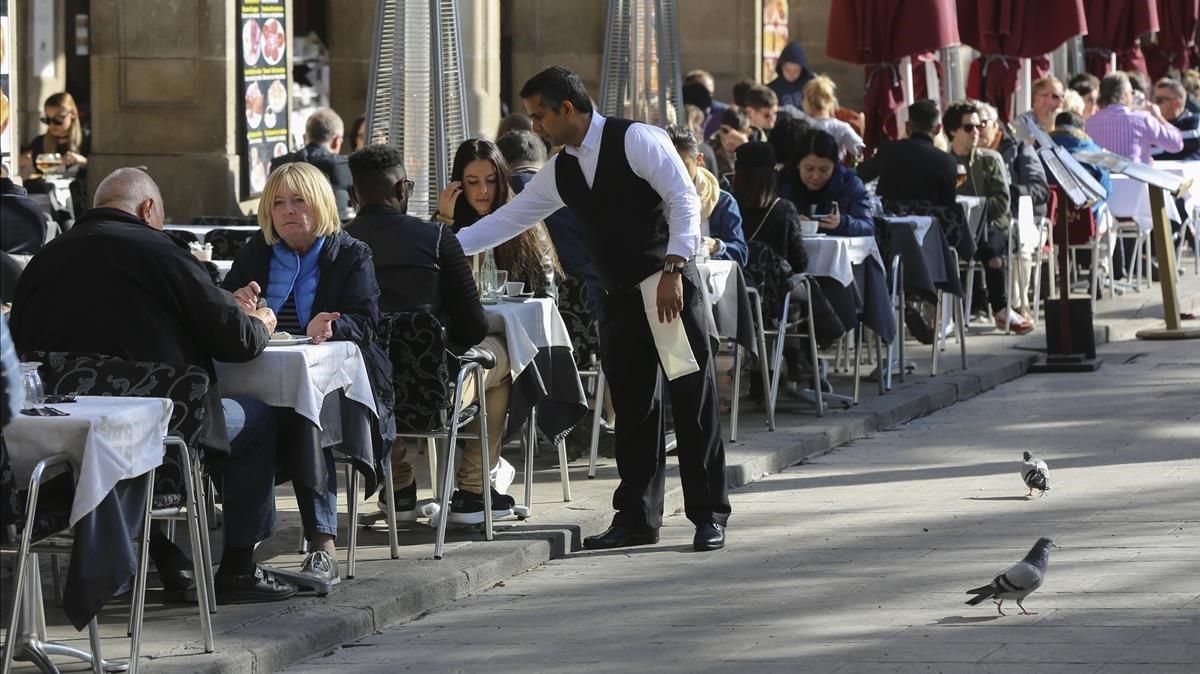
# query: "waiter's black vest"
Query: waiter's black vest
{"points": [[624, 226]]}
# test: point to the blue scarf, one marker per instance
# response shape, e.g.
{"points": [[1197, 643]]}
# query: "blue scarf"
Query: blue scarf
{"points": [[291, 273]]}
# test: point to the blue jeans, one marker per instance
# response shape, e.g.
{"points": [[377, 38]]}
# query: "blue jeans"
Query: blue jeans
{"points": [[248, 473], [319, 513]]}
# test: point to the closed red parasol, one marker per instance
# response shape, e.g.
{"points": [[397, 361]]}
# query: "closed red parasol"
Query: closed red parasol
{"points": [[1006, 31], [878, 34], [1176, 39], [1114, 27]]}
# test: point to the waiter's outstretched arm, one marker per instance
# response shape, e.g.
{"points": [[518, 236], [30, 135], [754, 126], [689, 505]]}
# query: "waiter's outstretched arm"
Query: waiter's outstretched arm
{"points": [[653, 158], [539, 199]]}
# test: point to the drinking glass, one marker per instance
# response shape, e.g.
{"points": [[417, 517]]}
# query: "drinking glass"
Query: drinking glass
{"points": [[31, 382], [48, 162]]}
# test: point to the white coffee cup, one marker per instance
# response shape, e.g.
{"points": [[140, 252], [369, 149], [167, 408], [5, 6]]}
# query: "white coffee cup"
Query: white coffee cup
{"points": [[809, 227], [514, 288]]}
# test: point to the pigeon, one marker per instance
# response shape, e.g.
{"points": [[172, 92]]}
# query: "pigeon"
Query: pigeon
{"points": [[1018, 580], [1036, 474]]}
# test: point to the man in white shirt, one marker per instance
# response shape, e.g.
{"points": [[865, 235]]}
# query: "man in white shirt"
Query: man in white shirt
{"points": [[640, 216]]}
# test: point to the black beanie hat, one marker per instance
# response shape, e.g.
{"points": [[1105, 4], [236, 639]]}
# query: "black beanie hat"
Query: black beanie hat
{"points": [[755, 155]]}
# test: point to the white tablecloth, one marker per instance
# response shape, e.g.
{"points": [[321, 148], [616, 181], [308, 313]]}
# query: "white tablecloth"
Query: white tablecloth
{"points": [[835, 256], [718, 278], [202, 230], [112, 438], [58, 198], [1130, 200], [299, 377], [223, 267], [920, 224], [974, 208], [527, 326], [1187, 169]]}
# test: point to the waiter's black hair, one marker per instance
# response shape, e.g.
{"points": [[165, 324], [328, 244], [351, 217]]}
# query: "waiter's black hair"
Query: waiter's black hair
{"points": [[555, 85]]}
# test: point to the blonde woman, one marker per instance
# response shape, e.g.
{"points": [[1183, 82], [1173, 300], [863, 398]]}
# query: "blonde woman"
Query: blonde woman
{"points": [[320, 282], [65, 135], [821, 104]]}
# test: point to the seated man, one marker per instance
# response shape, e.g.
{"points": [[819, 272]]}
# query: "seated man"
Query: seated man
{"points": [[720, 219], [323, 138], [421, 267], [117, 285], [986, 176], [1171, 99], [525, 154]]}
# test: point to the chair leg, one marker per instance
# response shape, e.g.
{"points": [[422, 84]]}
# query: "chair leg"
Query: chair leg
{"points": [[486, 452], [389, 505], [564, 472], [960, 308], [139, 583], [737, 390], [202, 515], [56, 578], [597, 415], [763, 359], [20, 583], [777, 364], [447, 489], [1037, 282], [352, 506], [200, 569], [900, 328], [94, 643], [858, 337], [879, 359], [937, 313], [530, 443]]}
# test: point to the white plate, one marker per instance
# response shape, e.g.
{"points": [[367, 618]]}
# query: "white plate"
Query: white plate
{"points": [[813, 236], [289, 342]]}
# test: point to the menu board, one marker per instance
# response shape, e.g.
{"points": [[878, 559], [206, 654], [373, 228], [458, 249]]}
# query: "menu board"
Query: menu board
{"points": [[774, 35], [7, 127], [264, 82]]}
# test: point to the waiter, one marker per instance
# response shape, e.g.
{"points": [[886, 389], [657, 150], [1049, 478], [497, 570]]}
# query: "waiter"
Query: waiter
{"points": [[640, 213]]}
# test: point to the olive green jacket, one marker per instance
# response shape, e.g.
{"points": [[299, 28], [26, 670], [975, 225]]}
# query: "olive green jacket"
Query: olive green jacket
{"points": [[989, 176]]}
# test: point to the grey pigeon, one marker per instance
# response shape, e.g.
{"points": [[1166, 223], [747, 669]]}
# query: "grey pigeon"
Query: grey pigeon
{"points": [[1036, 474], [1018, 580]]}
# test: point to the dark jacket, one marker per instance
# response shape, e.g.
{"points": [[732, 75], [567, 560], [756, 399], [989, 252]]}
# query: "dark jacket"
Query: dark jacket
{"points": [[725, 225], [334, 166], [1026, 175], [113, 285], [791, 93], [421, 267], [1074, 140], [22, 221], [779, 228], [912, 170], [845, 188], [346, 285], [1188, 123]]}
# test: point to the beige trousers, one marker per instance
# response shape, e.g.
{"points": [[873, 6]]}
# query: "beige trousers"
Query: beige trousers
{"points": [[498, 384]]}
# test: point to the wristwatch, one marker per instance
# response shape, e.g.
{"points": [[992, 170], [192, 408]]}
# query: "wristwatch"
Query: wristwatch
{"points": [[670, 267]]}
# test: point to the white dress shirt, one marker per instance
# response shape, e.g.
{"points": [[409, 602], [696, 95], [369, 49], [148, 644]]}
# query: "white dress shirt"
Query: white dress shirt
{"points": [[652, 157]]}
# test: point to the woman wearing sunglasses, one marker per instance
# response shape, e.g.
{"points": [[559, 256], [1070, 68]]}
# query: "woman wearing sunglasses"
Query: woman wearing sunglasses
{"points": [[65, 135]]}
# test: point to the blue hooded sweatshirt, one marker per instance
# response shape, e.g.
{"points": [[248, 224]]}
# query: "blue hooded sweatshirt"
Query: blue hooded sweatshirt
{"points": [[791, 93]]}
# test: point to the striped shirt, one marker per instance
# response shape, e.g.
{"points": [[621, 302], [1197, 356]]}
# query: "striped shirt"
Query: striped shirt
{"points": [[287, 320], [1132, 133]]}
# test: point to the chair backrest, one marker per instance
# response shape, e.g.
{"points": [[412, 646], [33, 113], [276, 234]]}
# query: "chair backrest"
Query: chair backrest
{"points": [[951, 219], [227, 242], [420, 370], [1081, 222], [98, 375], [572, 305]]}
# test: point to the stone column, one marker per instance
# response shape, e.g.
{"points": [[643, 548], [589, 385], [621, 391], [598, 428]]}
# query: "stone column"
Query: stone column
{"points": [[479, 22], [164, 97], [351, 34]]}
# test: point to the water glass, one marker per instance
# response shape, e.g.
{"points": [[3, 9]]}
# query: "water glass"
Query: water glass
{"points": [[492, 285], [31, 382]]}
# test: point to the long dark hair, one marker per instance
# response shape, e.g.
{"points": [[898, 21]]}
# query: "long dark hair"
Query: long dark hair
{"points": [[816, 142], [525, 256], [755, 187]]}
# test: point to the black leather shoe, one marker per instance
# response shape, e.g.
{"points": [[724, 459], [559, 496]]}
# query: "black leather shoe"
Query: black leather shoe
{"points": [[620, 537], [709, 536], [260, 586]]}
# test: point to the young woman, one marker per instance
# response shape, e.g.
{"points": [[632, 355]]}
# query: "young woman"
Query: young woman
{"points": [[819, 186], [479, 184]]}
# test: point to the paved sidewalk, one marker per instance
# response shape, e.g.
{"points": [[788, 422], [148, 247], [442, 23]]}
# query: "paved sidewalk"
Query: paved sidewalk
{"points": [[857, 561], [386, 592]]}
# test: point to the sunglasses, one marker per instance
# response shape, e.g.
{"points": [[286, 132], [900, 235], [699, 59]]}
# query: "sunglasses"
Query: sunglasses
{"points": [[1164, 99], [970, 128], [60, 119]]}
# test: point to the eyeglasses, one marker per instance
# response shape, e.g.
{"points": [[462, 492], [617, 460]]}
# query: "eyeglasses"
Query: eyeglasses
{"points": [[971, 128], [1051, 94], [1164, 99], [59, 119]]}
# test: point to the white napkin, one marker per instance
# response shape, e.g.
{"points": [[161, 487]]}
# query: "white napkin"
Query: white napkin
{"points": [[674, 351]]}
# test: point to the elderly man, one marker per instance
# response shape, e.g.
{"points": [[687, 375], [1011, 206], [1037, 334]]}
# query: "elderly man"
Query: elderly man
{"points": [[1171, 99], [323, 141], [115, 284], [1124, 130]]}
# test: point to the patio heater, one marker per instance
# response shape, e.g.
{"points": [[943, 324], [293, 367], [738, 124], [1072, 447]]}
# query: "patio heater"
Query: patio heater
{"points": [[417, 97], [641, 78]]}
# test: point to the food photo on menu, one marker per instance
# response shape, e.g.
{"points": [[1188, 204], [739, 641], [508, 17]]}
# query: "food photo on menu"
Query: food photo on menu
{"points": [[251, 42], [254, 105], [273, 39]]}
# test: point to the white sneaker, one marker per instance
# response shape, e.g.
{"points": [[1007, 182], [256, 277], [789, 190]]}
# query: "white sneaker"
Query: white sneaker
{"points": [[503, 475]]}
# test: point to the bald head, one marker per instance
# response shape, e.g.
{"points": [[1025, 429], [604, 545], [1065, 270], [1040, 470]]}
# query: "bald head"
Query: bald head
{"points": [[133, 191]]}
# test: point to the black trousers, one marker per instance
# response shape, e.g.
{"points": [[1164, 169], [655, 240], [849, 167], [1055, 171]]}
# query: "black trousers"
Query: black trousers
{"points": [[631, 364], [995, 246]]}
